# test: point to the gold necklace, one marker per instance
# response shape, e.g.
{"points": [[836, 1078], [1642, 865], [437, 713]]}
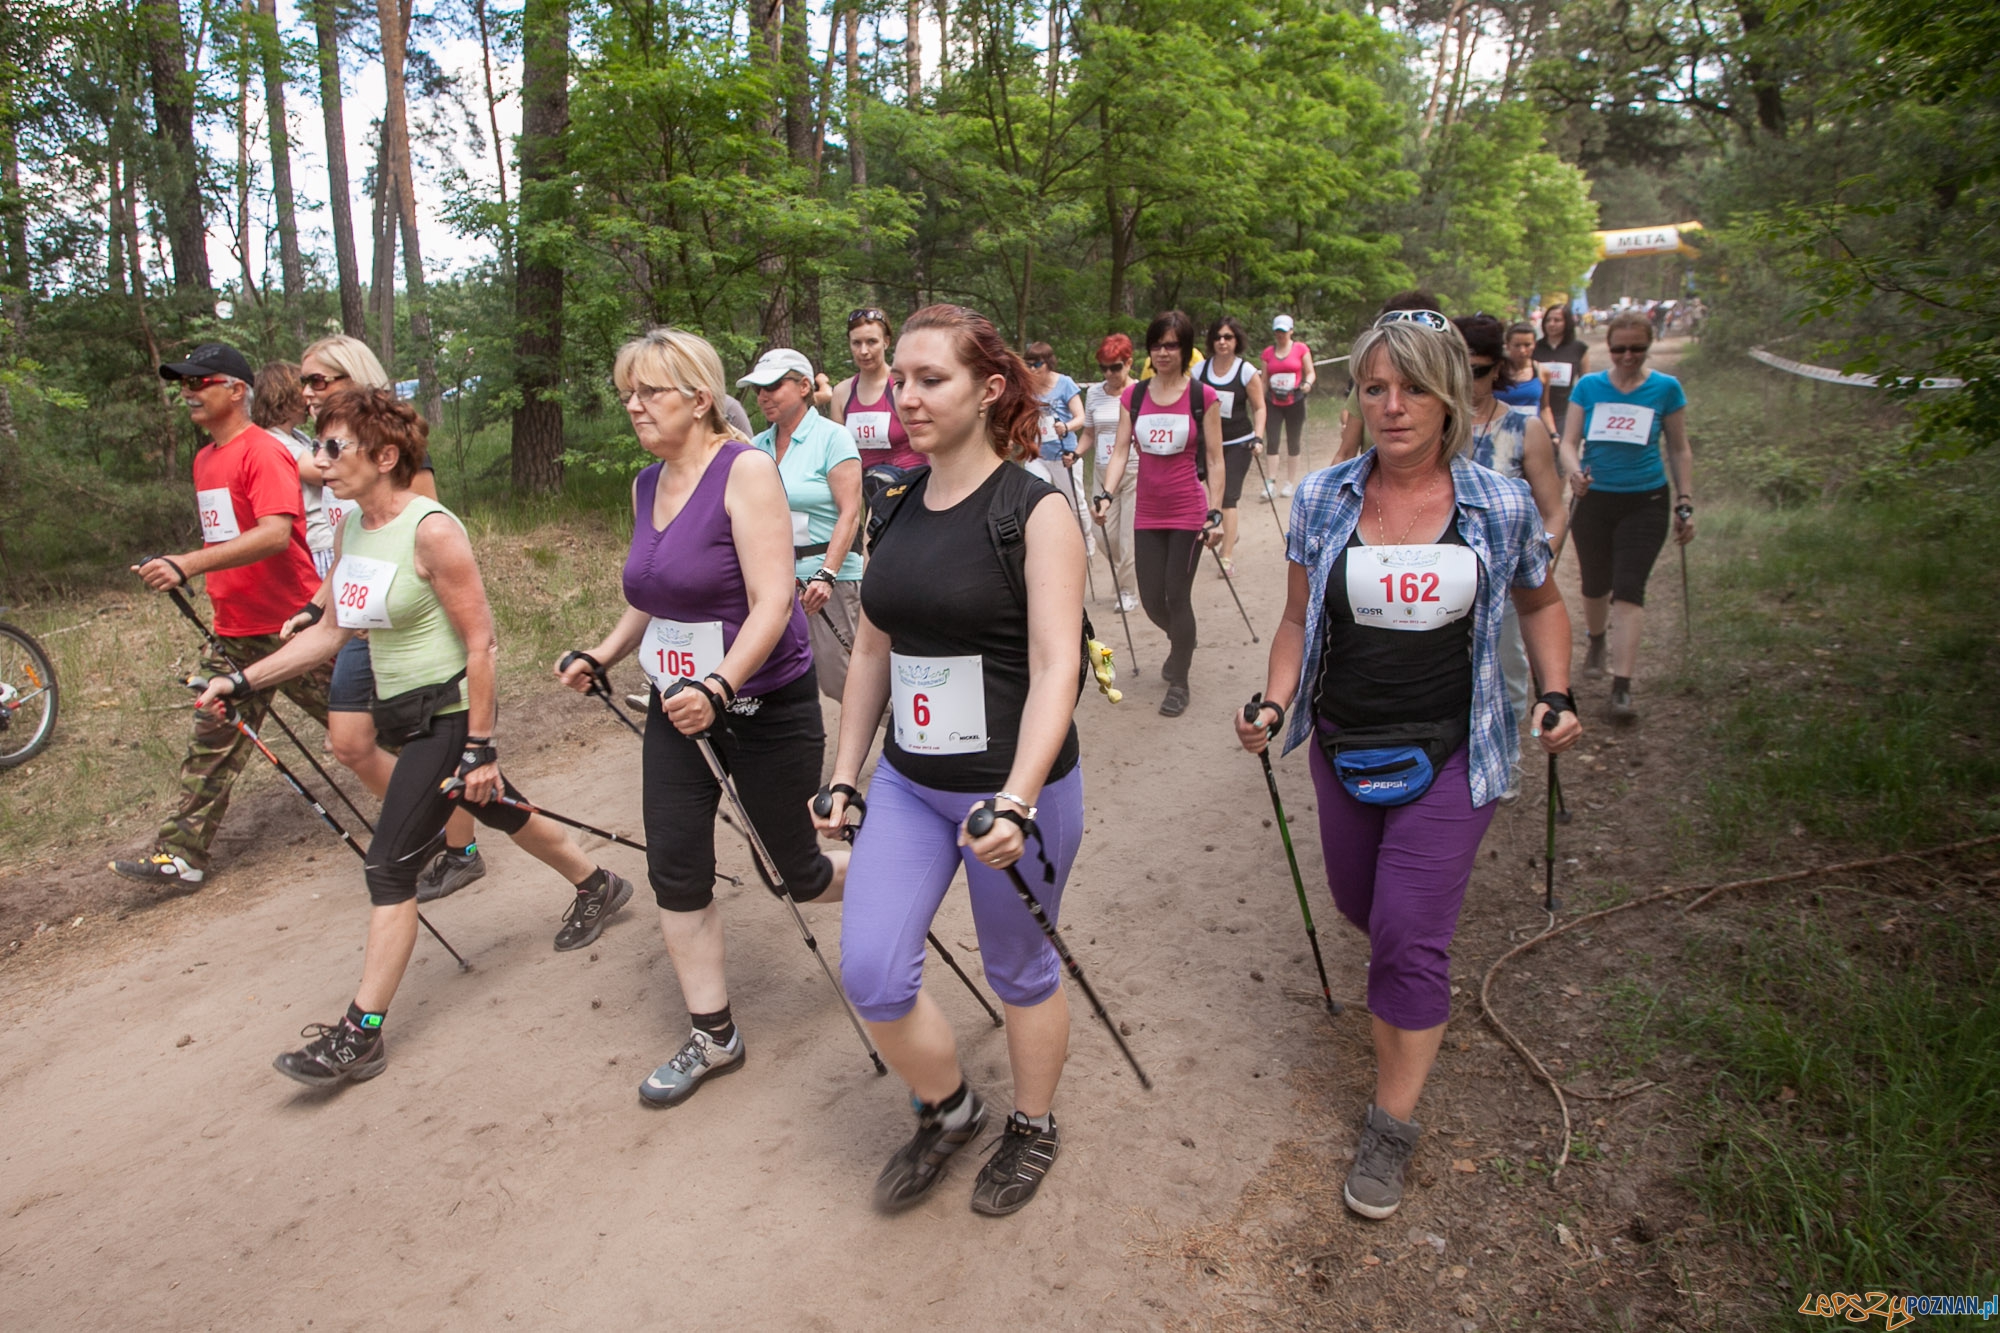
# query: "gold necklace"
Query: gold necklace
{"points": [[1382, 515]]}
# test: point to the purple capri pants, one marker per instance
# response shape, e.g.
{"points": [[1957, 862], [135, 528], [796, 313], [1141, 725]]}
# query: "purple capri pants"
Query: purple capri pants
{"points": [[904, 860], [1399, 873]]}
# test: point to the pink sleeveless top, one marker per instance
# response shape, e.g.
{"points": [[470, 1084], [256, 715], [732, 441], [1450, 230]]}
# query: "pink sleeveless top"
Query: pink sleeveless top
{"points": [[1293, 363], [877, 429], [1165, 442]]}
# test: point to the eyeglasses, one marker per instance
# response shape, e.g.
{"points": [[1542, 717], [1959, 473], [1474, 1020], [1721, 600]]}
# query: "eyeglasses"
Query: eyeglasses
{"points": [[333, 447], [1480, 372], [1430, 319], [1639, 349], [645, 393], [867, 314], [1163, 347], [199, 382], [318, 383]]}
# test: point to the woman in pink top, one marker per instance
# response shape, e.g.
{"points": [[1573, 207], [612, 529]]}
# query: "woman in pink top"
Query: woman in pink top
{"points": [[865, 401], [1288, 378], [1176, 510]]}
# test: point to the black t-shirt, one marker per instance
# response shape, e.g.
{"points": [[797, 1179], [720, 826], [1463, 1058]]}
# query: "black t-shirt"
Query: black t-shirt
{"points": [[1375, 677], [936, 586], [1570, 353]]}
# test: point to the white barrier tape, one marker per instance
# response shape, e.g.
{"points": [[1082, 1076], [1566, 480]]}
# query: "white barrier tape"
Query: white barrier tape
{"points": [[1329, 360], [1836, 377]]}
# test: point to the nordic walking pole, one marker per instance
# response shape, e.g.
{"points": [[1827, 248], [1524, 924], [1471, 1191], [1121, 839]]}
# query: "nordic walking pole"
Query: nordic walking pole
{"points": [[1270, 496], [823, 806], [1250, 711], [1685, 513], [214, 645], [1131, 652], [1232, 592], [978, 824], [771, 872], [235, 719], [1550, 903], [600, 686]]}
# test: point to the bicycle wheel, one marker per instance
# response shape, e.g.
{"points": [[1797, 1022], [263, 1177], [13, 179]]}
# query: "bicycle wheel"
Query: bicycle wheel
{"points": [[28, 697]]}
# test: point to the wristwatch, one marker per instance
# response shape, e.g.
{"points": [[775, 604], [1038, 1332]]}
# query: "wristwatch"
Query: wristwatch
{"points": [[824, 575]]}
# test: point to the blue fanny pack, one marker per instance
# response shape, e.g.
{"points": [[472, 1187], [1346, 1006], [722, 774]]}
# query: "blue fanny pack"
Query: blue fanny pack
{"points": [[1389, 765]]}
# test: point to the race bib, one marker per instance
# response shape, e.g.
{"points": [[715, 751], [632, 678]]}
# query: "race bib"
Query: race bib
{"points": [[869, 429], [361, 592], [1621, 423], [1226, 397], [675, 650], [1162, 432], [1559, 373], [1048, 425], [218, 515], [801, 532], [1284, 381], [939, 703], [1411, 587]]}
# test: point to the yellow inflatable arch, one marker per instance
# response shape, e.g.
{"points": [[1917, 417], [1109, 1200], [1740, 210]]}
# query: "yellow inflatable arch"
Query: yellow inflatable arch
{"points": [[1671, 239]]}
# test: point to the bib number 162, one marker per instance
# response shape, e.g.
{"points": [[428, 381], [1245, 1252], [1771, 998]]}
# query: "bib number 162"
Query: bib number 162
{"points": [[1413, 587]]}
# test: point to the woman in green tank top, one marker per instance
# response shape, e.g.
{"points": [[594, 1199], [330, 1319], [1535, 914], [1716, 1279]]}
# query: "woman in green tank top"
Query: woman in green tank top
{"points": [[405, 573]]}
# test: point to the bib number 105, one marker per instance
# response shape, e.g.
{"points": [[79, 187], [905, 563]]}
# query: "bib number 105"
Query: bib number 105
{"points": [[1409, 588], [674, 664]]}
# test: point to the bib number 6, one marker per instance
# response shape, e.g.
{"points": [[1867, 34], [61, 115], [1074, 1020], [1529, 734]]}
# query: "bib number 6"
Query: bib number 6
{"points": [[920, 709]]}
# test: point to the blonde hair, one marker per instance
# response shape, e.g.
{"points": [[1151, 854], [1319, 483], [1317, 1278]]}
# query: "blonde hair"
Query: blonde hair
{"points": [[670, 358], [350, 357], [1432, 360]]}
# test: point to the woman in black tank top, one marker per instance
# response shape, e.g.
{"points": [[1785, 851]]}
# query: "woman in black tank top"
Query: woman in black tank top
{"points": [[972, 609]]}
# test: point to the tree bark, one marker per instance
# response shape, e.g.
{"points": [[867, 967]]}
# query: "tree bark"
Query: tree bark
{"points": [[538, 282], [796, 63], [382, 276], [173, 116], [766, 45], [499, 143], [857, 153], [396, 128], [1443, 66], [290, 263], [913, 54], [353, 322], [244, 170], [1770, 98]]}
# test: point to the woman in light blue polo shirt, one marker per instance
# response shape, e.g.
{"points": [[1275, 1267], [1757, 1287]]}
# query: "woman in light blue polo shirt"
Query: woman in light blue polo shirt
{"points": [[821, 468], [1611, 452]]}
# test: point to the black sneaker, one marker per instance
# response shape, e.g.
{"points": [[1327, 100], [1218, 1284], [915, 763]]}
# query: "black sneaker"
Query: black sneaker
{"points": [[449, 872], [170, 876], [337, 1053], [1022, 1155], [1593, 656], [920, 1163], [1622, 707], [1176, 701], [584, 921]]}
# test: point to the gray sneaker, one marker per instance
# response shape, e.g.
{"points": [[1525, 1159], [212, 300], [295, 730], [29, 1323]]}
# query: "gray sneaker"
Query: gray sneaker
{"points": [[1622, 706], [449, 872], [675, 1081], [1375, 1183], [920, 1163], [1593, 655], [584, 921]]}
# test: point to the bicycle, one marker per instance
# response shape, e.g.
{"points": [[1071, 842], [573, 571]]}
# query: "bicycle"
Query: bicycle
{"points": [[29, 696]]}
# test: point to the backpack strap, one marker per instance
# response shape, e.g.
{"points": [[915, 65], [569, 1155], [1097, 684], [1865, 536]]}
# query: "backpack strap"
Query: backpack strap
{"points": [[884, 487]]}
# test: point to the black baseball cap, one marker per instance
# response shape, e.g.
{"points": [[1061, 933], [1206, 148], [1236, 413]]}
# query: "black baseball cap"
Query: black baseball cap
{"points": [[211, 359]]}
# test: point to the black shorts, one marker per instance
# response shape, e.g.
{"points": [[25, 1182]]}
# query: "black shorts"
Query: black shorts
{"points": [[410, 829], [1235, 466], [1618, 535], [774, 756], [353, 688]]}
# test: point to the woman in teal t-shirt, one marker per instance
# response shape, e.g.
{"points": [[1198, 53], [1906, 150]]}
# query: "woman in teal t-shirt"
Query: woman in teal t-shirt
{"points": [[1611, 452]]}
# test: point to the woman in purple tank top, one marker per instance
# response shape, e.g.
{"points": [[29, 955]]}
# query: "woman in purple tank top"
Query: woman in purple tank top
{"points": [[712, 602]]}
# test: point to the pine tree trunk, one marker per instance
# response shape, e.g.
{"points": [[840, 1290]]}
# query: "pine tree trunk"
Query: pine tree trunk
{"points": [[290, 263], [180, 183], [396, 128], [766, 26], [243, 170], [796, 54], [857, 153], [353, 321], [382, 284], [538, 280], [913, 54], [499, 142]]}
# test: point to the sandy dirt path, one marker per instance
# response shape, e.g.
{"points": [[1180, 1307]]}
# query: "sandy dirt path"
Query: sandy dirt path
{"points": [[158, 1171]]}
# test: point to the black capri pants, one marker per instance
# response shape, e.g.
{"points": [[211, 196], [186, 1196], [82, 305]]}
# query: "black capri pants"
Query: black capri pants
{"points": [[774, 756], [1235, 466], [410, 829], [1292, 416], [1618, 536]]}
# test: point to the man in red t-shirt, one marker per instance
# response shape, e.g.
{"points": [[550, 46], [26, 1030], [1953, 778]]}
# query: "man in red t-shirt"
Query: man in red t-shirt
{"points": [[259, 570]]}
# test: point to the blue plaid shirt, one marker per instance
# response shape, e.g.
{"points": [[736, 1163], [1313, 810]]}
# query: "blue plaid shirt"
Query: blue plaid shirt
{"points": [[1498, 520]]}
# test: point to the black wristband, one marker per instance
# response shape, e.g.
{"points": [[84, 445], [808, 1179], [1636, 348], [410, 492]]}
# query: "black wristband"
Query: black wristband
{"points": [[575, 655], [170, 563], [1214, 520], [1559, 703], [1101, 495], [312, 611], [477, 754], [824, 575], [728, 690], [1255, 709]]}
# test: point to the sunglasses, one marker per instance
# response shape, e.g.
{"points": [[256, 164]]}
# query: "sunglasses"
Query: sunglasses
{"points": [[1036, 362], [867, 315], [333, 447], [1481, 372], [1110, 365], [1163, 347], [1430, 319], [199, 382], [1639, 349], [318, 383]]}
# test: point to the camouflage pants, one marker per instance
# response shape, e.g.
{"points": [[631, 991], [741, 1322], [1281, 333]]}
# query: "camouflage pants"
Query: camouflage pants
{"points": [[219, 750]]}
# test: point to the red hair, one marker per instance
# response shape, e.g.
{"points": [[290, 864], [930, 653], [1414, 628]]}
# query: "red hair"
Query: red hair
{"points": [[1013, 423], [1115, 348]]}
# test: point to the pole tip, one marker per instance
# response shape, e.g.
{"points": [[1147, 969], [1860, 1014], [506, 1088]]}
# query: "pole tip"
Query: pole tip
{"points": [[880, 1068]]}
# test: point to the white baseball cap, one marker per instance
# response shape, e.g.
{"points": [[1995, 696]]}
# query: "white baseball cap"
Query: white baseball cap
{"points": [[774, 365], [1282, 323]]}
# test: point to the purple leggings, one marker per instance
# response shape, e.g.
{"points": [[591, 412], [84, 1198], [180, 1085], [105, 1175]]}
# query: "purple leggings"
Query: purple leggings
{"points": [[904, 860], [1399, 873]]}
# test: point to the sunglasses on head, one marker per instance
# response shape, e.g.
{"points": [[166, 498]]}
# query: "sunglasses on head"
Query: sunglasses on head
{"points": [[317, 383], [1430, 319], [1631, 349], [866, 315], [333, 447]]}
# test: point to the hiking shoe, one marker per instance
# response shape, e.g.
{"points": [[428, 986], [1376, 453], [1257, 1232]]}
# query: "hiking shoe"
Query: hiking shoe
{"points": [[1287, 489], [1375, 1182], [449, 872], [675, 1081], [584, 921], [1023, 1155], [1593, 656], [337, 1053], [1128, 601], [919, 1163], [170, 875], [1622, 706], [1176, 701], [639, 703]]}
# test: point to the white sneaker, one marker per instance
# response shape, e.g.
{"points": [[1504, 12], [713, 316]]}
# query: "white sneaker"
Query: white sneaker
{"points": [[1270, 488], [1287, 490], [1128, 601]]}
